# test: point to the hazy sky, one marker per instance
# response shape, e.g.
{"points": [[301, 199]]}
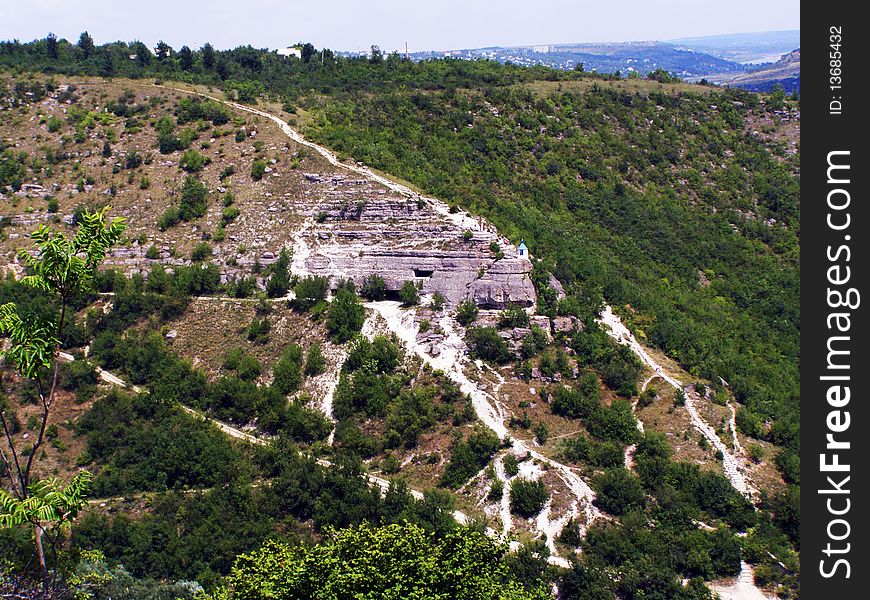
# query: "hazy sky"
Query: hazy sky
{"points": [[357, 24]]}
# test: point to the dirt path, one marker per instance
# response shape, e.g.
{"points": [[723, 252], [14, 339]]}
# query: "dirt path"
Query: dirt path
{"points": [[732, 464]]}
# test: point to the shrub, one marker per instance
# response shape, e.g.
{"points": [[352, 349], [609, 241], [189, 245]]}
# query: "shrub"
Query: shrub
{"points": [[201, 252], [511, 465], [192, 161], [278, 283], [438, 301], [618, 491], [193, 203], [54, 123], [288, 370], [258, 169], [248, 368], [258, 330], [346, 316], [309, 291], [373, 288], [486, 343], [527, 497], [469, 456], [513, 317], [466, 312], [315, 363], [409, 294], [168, 218]]}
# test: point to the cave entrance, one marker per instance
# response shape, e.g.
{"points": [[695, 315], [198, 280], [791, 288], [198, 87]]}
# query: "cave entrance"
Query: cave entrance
{"points": [[423, 273]]}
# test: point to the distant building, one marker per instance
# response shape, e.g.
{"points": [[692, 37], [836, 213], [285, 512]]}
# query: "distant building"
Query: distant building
{"points": [[523, 250], [286, 52]]}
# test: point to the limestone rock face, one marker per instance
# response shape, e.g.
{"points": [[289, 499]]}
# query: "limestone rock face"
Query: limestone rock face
{"points": [[405, 239]]}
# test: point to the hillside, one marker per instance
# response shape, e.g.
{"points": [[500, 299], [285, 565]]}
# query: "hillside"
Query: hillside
{"points": [[679, 216]]}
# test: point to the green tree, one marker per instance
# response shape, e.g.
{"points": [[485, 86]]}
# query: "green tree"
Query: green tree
{"points": [[373, 288], [409, 294], [86, 44], [278, 283], [51, 46], [288, 370], [346, 316], [185, 58], [208, 56], [527, 497], [466, 312], [61, 268], [392, 561]]}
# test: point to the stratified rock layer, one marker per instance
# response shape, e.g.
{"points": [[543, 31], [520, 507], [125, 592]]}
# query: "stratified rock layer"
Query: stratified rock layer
{"points": [[375, 231]]}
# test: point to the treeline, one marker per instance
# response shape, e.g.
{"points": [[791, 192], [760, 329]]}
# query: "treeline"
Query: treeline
{"points": [[248, 72]]}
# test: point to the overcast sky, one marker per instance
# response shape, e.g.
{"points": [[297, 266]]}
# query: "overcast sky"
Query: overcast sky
{"points": [[357, 24]]}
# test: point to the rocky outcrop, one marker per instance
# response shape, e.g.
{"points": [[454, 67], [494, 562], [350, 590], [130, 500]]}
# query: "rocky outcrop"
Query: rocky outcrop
{"points": [[356, 229]]}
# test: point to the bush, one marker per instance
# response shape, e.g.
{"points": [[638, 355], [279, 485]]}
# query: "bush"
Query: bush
{"points": [[374, 288], [278, 283], [466, 312], [258, 330], [248, 368], [168, 219], [192, 161], [486, 343], [346, 316], [315, 363], [409, 294], [618, 491], [201, 252], [193, 195], [309, 291], [527, 497], [469, 456], [258, 169], [513, 317], [438, 301], [511, 465], [288, 370]]}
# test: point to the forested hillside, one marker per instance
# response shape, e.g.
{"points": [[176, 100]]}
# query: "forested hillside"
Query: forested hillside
{"points": [[285, 398]]}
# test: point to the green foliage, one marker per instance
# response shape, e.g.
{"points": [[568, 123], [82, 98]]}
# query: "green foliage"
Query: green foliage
{"points": [[374, 288], [466, 312], [192, 161], [618, 491], [581, 401], [513, 317], [393, 561], [486, 343], [315, 362], [309, 291], [201, 252], [527, 497], [468, 457], [258, 169], [278, 283], [345, 317], [258, 330], [193, 199], [409, 294], [288, 370]]}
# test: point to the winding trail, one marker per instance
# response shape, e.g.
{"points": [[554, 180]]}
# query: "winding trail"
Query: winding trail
{"points": [[732, 464]]}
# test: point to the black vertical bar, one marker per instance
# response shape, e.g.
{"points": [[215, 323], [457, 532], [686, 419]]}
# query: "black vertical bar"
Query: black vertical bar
{"points": [[834, 237]]}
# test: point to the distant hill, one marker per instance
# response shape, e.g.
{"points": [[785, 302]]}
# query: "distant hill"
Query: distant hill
{"points": [[786, 72], [719, 57], [746, 48]]}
